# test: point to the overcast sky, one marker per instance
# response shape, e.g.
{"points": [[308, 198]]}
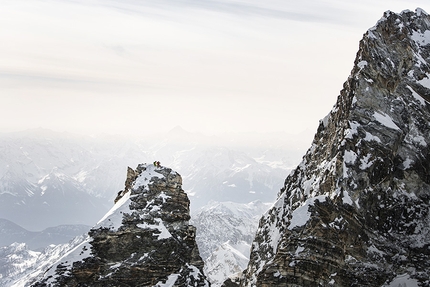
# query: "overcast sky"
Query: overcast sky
{"points": [[212, 66]]}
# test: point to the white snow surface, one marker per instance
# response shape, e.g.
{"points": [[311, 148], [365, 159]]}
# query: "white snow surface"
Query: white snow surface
{"points": [[169, 282], [403, 281], [420, 99], [226, 261], [301, 214], [386, 120], [421, 38]]}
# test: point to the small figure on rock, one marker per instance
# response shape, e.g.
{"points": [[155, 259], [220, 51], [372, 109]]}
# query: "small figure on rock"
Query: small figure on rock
{"points": [[157, 164]]}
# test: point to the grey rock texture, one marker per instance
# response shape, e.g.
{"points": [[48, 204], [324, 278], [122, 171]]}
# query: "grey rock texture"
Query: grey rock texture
{"points": [[145, 240], [356, 211]]}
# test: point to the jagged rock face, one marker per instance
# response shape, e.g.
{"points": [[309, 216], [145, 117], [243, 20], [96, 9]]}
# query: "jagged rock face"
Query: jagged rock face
{"points": [[356, 211], [145, 240]]}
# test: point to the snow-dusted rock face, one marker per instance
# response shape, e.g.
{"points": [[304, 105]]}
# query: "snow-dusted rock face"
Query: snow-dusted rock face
{"points": [[356, 211], [144, 240]]}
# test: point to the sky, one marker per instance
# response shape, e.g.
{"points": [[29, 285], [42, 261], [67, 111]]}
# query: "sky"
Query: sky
{"points": [[209, 66]]}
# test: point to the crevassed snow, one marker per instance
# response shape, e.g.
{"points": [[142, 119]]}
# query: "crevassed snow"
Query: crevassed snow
{"points": [[301, 214], [385, 120]]}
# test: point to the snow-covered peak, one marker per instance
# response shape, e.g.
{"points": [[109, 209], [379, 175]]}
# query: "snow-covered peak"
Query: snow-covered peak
{"points": [[147, 228]]}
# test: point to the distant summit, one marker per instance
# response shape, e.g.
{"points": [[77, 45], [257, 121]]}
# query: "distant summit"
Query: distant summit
{"points": [[144, 240], [356, 211], [178, 131]]}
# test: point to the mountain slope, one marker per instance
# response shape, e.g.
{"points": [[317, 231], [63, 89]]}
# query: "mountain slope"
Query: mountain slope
{"points": [[356, 211], [225, 231], [144, 240], [19, 265], [11, 232]]}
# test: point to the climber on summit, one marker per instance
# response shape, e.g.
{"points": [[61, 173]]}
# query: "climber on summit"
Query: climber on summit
{"points": [[156, 163]]}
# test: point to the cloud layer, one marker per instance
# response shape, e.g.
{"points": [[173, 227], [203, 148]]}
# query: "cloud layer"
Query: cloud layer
{"points": [[211, 66]]}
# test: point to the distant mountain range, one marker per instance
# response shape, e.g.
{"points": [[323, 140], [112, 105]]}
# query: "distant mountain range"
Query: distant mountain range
{"points": [[37, 240], [49, 178], [225, 231], [57, 179]]}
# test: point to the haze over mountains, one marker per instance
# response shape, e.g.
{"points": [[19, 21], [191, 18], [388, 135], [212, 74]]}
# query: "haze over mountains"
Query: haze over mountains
{"points": [[49, 179], [354, 212]]}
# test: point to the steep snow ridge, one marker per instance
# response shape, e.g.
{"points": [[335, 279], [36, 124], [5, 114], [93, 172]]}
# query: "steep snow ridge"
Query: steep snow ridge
{"points": [[113, 218], [77, 253]]}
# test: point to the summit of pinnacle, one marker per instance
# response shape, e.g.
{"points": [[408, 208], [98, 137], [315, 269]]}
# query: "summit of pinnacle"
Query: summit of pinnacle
{"points": [[356, 211], [144, 240]]}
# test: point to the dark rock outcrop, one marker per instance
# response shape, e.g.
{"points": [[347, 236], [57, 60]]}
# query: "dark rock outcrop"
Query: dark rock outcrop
{"points": [[356, 211], [145, 240]]}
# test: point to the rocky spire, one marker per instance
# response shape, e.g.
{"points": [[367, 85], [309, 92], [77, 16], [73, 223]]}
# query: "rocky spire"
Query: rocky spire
{"points": [[356, 211], [144, 240]]}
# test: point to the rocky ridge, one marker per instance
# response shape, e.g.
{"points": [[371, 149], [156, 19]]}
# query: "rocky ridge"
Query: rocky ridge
{"points": [[144, 240], [356, 211]]}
